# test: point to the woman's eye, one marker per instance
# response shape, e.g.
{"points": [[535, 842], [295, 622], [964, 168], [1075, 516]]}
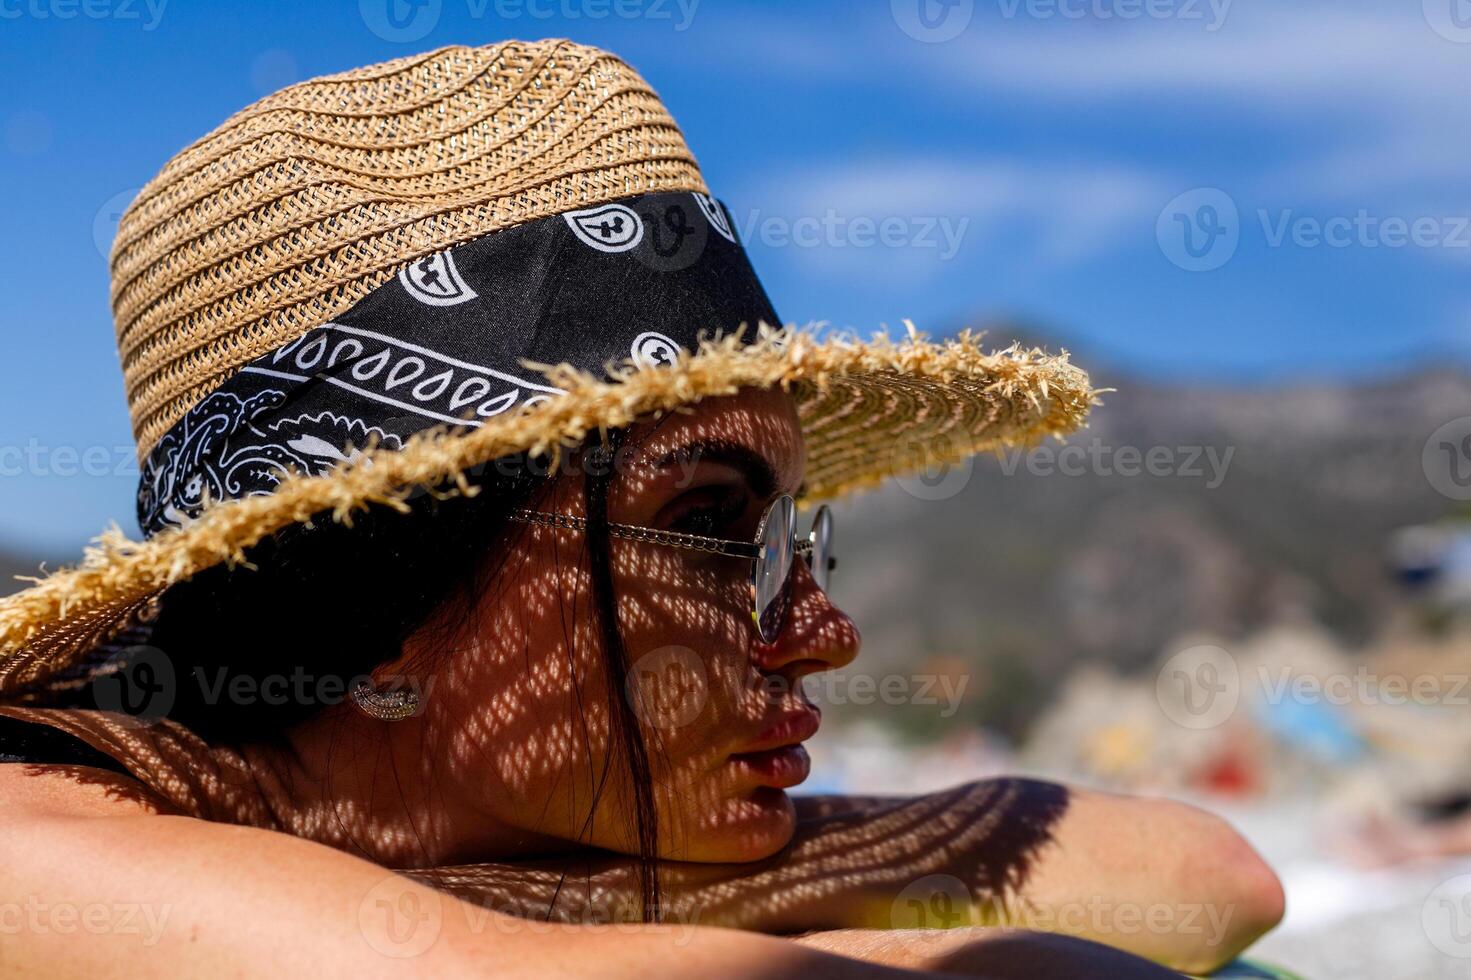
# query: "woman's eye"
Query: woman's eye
{"points": [[709, 511]]}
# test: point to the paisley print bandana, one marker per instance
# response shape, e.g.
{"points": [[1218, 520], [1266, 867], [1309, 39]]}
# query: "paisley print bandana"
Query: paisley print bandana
{"points": [[446, 340]]}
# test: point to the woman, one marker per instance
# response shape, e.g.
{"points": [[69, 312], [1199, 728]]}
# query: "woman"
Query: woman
{"points": [[468, 476]]}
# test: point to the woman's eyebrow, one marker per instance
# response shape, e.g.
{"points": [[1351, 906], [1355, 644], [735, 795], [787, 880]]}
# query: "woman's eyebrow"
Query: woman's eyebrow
{"points": [[757, 469]]}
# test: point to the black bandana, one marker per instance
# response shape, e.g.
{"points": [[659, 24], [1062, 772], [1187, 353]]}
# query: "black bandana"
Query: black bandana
{"points": [[443, 342]]}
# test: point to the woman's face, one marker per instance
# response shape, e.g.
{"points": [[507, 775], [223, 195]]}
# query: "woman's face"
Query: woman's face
{"points": [[519, 716]]}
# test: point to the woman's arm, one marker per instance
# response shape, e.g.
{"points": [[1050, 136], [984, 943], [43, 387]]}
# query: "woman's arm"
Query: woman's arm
{"points": [[94, 879], [1159, 878], [1153, 877], [98, 879]]}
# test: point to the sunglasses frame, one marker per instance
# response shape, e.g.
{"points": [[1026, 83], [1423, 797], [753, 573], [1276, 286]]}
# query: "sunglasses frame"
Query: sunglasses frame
{"points": [[750, 550]]}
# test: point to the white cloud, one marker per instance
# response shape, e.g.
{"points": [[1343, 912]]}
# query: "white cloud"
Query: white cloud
{"points": [[1374, 89], [1357, 105], [1270, 55], [1044, 214]]}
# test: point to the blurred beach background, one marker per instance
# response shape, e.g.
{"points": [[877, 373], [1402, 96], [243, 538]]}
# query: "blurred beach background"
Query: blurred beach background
{"points": [[1247, 584]]}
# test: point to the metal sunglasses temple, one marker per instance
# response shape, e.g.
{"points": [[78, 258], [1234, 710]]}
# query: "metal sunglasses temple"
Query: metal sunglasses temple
{"points": [[632, 532]]}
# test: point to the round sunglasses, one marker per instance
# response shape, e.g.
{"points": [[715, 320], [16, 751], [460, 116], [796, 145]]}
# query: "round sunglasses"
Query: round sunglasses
{"points": [[772, 554]]}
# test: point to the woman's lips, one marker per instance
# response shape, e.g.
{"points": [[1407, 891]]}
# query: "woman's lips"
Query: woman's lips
{"points": [[794, 727], [780, 768], [776, 756]]}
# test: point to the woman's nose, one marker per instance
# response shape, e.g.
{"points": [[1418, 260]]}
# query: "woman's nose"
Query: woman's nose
{"points": [[816, 636]]}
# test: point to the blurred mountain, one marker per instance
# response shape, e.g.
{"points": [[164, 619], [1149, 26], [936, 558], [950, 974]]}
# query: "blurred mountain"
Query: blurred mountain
{"points": [[1180, 509]]}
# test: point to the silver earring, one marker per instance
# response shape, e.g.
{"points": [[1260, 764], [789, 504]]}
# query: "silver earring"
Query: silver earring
{"points": [[385, 705]]}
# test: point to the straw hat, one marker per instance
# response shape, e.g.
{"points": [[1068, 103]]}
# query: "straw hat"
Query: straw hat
{"points": [[372, 281]]}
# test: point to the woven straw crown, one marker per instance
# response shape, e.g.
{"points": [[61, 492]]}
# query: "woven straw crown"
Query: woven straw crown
{"points": [[297, 207]]}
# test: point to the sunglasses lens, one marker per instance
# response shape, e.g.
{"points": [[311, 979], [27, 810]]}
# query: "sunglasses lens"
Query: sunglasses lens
{"points": [[821, 537], [771, 576]]}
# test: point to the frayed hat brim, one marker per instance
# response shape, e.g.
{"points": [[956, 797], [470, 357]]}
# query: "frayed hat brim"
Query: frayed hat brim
{"points": [[869, 409]]}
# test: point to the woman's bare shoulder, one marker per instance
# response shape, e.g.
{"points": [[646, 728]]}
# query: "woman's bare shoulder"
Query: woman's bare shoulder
{"points": [[36, 790]]}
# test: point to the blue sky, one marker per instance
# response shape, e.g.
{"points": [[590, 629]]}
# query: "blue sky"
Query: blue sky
{"points": [[1044, 163]]}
